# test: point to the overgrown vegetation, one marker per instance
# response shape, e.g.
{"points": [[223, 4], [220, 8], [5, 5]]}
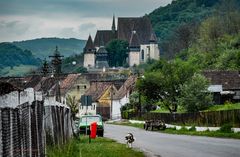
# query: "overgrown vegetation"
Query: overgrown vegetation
{"points": [[214, 43], [98, 147], [177, 24], [11, 55]]}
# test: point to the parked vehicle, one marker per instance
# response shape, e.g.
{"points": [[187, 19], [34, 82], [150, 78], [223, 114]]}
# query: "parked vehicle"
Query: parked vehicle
{"points": [[85, 122], [151, 124]]}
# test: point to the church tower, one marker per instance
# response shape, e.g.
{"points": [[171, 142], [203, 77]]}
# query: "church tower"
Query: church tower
{"points": [[113, 25], [134, 47], [154, 50], [102, 56], [89, 54]]}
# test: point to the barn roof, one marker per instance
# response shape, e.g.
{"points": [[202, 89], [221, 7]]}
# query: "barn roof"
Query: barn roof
{"points": [[230, 80]]}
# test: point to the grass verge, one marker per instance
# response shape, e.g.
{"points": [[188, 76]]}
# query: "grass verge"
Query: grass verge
{"points": [[184, 131], [99, 147], [224, 107]]}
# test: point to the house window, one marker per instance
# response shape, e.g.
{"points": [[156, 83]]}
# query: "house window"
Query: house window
{"points": [[78, 87], [85, 87], [142, 55]]}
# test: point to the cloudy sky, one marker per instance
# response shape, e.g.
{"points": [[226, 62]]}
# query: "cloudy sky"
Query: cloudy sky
{"points": [[29, 19]]}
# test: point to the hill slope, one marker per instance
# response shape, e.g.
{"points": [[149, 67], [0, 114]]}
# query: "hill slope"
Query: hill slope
{"points": [[180, 19], [44, 47], [14, 59]]}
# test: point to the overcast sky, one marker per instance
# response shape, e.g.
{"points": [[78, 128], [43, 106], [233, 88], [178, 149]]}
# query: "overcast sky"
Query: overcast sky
{"points": [[30, 19]]}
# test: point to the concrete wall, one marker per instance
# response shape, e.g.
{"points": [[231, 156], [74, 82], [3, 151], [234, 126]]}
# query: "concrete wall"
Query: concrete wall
{"points": [[16, 98]]}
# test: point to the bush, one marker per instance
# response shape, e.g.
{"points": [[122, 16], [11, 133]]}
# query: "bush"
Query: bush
{"points": [[193, 128], [183, 129], [226, 128]]}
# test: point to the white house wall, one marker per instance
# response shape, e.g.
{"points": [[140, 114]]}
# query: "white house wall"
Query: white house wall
{"points": [[116, 106]]}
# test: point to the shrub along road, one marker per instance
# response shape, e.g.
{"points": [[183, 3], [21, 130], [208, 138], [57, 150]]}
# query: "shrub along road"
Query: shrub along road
{"points": [[167, 145]]}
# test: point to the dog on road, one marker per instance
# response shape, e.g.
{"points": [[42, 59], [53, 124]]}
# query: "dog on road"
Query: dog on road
{"points": [[129, 140]]}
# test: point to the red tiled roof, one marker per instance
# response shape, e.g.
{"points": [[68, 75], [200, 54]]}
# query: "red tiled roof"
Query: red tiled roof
{"points": [[68, 82]]}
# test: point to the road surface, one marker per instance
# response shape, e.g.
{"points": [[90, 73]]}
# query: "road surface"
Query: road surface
{"points": [[167, 145]]}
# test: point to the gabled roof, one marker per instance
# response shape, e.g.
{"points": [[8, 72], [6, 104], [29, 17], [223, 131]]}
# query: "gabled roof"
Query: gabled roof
{"points": [[6, 88], [103, 37], [97, 89], [230, 80], [134, 40], [46, 84], [102, 50], [68, 83], [126, 87], [89, 45], [141, 25], [33, 81], [153, 38]]}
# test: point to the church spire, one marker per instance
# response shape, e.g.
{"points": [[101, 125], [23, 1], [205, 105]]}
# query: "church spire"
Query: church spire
{"points": [[89, 45], [113, 24]]}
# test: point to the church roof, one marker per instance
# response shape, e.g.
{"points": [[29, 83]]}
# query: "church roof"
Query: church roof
{"points": [[134, 40], [89, 45], [153, 38], [103, 37], [141, 25], [102, 50]]}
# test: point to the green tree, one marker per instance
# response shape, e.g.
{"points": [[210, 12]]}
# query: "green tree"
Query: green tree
{"points": [[73, 104], [162, 83], [194, 94], [117, 50]]}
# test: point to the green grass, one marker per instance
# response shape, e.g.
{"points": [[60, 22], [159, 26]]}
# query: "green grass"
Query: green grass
{"points": [[99, 147], [202, 133], [224, 107], [165, 110], [17, 70], [184, 131]]}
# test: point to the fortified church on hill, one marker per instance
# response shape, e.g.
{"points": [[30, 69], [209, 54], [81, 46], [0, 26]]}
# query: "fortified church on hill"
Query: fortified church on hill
{"points": [[136, 30]]}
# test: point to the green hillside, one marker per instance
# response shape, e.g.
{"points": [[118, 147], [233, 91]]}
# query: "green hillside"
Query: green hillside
{"points": [[181, 19], [44, 47], [14, 59]]}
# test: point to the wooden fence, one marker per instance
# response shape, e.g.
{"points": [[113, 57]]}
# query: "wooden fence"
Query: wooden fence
{"points": [[214, 118]]}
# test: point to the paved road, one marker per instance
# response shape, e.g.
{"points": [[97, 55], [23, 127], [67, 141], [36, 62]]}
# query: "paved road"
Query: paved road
{"points": [[167, 145]]}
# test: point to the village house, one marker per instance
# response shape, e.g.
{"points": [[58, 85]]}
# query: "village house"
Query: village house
{"points": [[101, 99], [121, 97], [137, 31], [225, 85]]}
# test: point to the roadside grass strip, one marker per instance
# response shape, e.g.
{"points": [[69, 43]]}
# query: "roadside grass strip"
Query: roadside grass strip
{"points": [[99, 147]]}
